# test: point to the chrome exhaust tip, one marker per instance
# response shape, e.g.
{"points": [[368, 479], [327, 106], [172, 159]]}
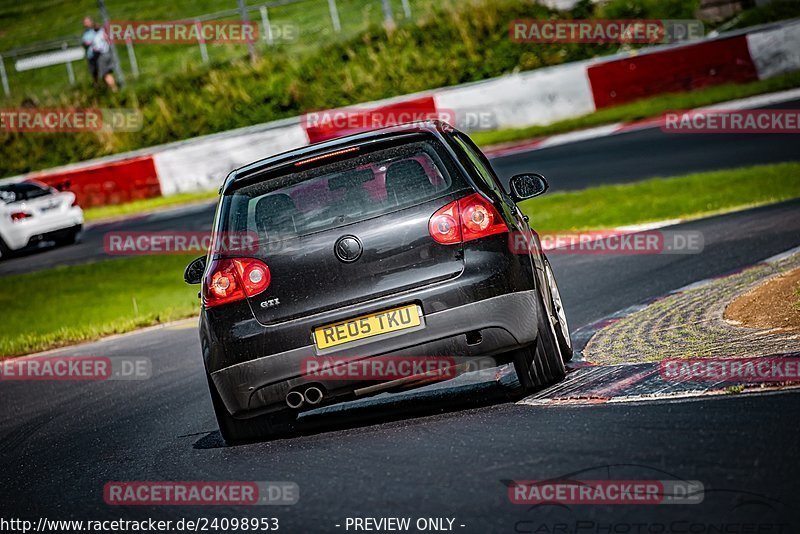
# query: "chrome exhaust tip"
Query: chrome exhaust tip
{"points": [[294, 399], [314, 395]]}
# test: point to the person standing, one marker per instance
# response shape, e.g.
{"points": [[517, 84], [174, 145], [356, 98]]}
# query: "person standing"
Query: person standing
{"points": [[101, 54], [86, 40]]}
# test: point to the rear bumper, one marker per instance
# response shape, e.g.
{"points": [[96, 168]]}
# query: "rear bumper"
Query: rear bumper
{"points": [[505, 323], [26, 233], [55, 235]]}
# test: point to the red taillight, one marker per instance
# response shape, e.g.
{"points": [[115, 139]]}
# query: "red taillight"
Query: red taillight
{"points": [[479, 218], [469, 218], [444, 226], [230, 280], [20, 216]]}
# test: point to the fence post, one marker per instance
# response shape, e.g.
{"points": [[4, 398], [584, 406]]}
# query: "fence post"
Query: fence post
{"points": [[251, 49], [132, 58], [337, 27], [388, 17], [407, 9], [201, 41], [265, 23], [3, 77], [70, 72]]}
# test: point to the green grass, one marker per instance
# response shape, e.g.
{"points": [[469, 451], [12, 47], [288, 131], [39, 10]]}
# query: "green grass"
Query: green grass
{"points": [[64, 305], [643, 109], [146, 205], [455, 42], [445, 43], [775, 10], [28, 23], [658, 199]]}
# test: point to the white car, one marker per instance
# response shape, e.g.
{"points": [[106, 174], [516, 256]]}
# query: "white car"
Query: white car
{"points": [[31, 212]]}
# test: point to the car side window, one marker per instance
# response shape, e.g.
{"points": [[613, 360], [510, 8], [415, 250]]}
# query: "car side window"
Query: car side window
{"points": [[32, 191], [22, 191], [478, 164]]}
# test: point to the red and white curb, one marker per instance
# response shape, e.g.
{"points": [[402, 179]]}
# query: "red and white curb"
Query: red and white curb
{"points": [[600, 384]]}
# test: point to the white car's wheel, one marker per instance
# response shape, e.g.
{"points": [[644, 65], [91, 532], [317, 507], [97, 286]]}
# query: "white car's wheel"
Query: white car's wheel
{"points": [[5, 252]]}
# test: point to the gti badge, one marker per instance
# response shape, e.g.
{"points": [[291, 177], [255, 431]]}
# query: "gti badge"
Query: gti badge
{"points": [[271, 303]]}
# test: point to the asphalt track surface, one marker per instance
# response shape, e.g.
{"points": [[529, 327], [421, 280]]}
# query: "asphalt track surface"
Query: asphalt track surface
{"points": [[439, 452], [443, 451], [621, 158], [650, 153]]}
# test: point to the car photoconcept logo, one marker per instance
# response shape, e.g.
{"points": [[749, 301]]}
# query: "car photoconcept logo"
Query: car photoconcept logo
{"points": [[348, 248]]}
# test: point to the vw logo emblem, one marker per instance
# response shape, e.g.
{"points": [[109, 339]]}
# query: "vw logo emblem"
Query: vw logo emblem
{"points": [[348, 248]]}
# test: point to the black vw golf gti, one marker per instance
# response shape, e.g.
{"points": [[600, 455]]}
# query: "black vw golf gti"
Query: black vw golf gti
{"points": [[390, 244]]}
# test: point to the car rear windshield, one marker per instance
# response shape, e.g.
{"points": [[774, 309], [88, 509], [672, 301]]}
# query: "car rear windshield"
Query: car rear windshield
{"points": [[330, 195], [21, 191]]}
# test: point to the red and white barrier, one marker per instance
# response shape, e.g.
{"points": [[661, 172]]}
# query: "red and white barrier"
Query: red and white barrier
{"points": [[202, 165], [541, 96], [673, 70], [537, 97], [112, 182], [776, 51]]}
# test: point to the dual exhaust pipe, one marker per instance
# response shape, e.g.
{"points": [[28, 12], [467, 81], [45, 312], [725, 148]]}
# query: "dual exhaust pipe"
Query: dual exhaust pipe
{"points": [[312, 396]]}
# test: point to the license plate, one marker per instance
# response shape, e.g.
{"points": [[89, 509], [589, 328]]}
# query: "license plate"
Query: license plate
{"points": [[367, 326]]}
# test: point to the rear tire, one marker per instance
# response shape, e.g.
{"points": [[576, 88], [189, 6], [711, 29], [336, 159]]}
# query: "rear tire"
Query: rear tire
{"points": [[541, 364], [243, 430], [559, 318], [68, 239], [5, 252]]}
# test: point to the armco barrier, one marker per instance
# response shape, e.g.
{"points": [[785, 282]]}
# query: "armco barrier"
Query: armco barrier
{"points": [[517, 100], [542, 96], [678, 69], [329, 124], [203, 165], [777, 51], [108, 183]]}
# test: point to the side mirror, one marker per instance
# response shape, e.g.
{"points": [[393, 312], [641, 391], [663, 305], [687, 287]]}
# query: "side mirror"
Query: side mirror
{"points": [[528, 185], [194, 271]]}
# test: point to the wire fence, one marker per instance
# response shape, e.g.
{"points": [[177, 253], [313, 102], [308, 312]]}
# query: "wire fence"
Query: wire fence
{"points": [[286, 23]]}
